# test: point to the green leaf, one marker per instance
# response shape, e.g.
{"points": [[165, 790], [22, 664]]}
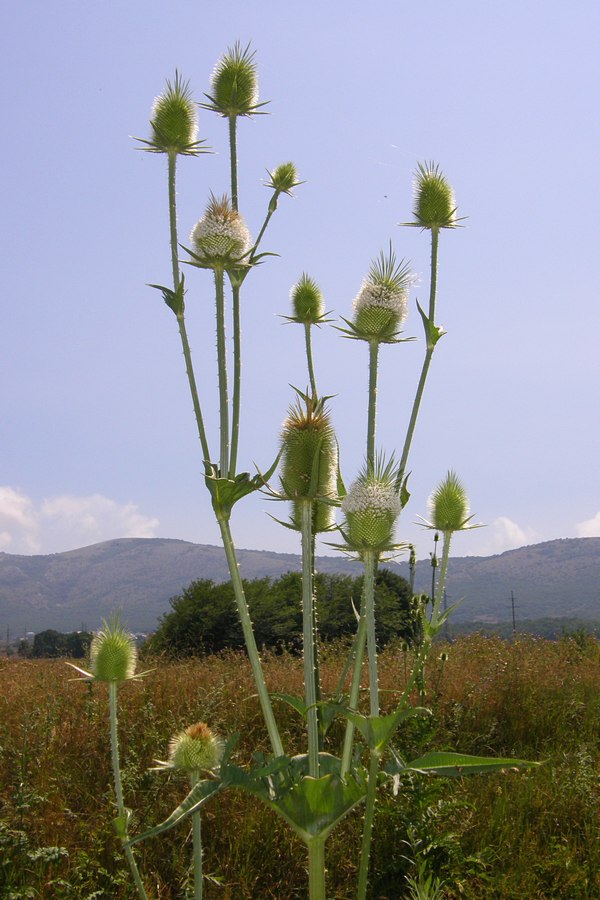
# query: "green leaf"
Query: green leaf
{"points": [[226, 492], [433, 332], [197, 797], [173, 299], [455, 764], [295, 702], [378, 730]]}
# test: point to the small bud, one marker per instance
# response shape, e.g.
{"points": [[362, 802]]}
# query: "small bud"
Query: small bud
{"points": [[309, 460], [307, 301], [371, 507], [381, 305], [195, 749], [234, 83], [449, 505], [221, 236], [284, 178], [435, 206], [113, 654], [174, 120]]}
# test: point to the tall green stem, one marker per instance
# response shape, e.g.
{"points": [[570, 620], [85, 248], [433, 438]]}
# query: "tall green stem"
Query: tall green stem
{"points": [[365, 853], [253, 655], [439, 599], [309, 359], [353, 701], [222, 364], [308, 622], [233, 159], [426, 362], [316, 868], [237, 379], [370, 562], [172, 175], [372, 414], [122, 812], [197, 844]]}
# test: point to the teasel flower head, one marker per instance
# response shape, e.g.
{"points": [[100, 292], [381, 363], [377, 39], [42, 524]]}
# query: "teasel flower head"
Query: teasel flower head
{"points": [[197, 749], [371, 508], [381, 305], [308, 306], [234, 83], [448, 506], [434, 204], [309, 460], [221, 236], [113, 653], [174, 121], [284, 178]]}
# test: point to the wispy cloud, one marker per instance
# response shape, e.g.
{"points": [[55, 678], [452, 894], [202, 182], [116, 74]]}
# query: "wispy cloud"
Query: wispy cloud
{"points": [[589, 528], [504, 534], [66, 522]]}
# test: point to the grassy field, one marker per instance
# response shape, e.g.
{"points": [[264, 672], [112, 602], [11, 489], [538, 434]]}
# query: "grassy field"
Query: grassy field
{"points": [[511, 835]]}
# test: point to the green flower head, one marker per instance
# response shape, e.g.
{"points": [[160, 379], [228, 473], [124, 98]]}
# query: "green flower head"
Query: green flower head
{"points": [[449, 506], [307, 301], [435, 206], [309, 460], [371, 507], [234, 83], [197, 749], [113, 654], [284, 178], [221, 236], [174, 121]]}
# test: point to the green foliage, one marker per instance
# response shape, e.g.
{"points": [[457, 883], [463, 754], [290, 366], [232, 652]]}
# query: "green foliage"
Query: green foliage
{"points": [[51, 643], [203, 619]]}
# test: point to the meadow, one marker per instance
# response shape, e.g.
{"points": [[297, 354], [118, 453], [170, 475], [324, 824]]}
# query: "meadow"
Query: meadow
{"points": [[532, 834]]}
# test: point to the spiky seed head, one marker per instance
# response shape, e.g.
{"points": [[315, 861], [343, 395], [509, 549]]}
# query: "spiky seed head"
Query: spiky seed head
{"points": [[381, 305], [113, 654], [449, 505], [309, 459], [174, 120], [307, 301], [434, 205], [371, 507], [234, 83], [284, 178], [197, 749], [221, 234]]}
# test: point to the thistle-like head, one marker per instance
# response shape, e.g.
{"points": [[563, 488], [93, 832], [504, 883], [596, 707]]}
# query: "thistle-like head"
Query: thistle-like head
{"points": [[309, 460], [234, 83], [448, 506], [113, 653], [174, 121], [371, 507], [381, 305], [308, 306], [284, 178], [220, 237], [434, 204], [197, 749]]}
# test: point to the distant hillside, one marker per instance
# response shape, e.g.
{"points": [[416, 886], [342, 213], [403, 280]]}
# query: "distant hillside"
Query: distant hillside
{"points": [[78, 588]]}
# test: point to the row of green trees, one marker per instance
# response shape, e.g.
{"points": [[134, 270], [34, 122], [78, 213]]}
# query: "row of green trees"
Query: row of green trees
{"points": [[203, 619]]}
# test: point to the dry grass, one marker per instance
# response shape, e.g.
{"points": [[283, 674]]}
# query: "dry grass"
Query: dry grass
{"points": [[533, 835]]}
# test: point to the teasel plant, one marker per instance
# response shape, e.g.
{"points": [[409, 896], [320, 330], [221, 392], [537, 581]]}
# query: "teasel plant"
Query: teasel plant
{"points": [[313, 791], [198, 752], [113, 660]]}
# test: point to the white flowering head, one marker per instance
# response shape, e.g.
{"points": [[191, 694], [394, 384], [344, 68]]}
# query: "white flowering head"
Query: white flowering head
{"points": [[113, 654], [381, 305], [371, 507], [197, 749], [221, 236]]}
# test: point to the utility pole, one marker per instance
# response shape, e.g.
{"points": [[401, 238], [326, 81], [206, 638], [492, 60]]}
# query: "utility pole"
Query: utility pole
{"points": [[512, 603]]}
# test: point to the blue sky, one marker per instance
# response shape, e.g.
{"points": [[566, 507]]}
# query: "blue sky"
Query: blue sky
{"points": [[97, 434]]}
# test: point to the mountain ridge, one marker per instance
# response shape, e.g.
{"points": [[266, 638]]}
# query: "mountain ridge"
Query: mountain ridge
{"points": [[77, 588]]}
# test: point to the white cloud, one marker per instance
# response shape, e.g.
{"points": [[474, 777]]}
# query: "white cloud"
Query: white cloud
{"points": [[504, 534], [66, 522], [589, 528]]}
